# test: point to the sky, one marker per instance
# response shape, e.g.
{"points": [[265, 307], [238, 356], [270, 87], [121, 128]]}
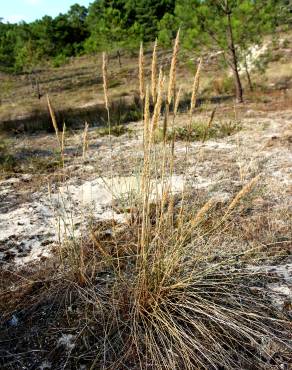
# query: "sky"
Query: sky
{"points": [[14, 11]]}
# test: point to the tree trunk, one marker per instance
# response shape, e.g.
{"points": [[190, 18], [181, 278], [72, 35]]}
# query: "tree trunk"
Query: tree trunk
{"points": [[119, 58], [38, 91], [238, 86], [248, 75], [234, 62]]}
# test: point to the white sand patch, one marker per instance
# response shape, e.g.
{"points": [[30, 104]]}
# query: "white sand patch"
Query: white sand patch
{"points": [[11, 181], [28, 219], [214, 145], [218, 145], [283, 271], [279, 292], [67, 341], [100, 193], [88, 104], [281, 289], [27, 231]]}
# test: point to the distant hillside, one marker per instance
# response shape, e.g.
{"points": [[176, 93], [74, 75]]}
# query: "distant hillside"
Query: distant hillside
{"points": [[77, 94]]}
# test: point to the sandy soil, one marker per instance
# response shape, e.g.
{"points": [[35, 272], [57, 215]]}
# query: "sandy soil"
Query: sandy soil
{"points": [[34, 219]]}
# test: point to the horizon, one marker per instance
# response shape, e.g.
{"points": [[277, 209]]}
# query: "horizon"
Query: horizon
{"points": [[16, 11]]}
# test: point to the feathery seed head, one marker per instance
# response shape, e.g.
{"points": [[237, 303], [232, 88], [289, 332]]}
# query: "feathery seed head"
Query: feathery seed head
{"points": [[212, 118], [104, 75], [177, 101], [242, 193], [202, 212], [154, 72], [196, 85], [172, 72], [141, 72], [54, 121], [146, 115], [157, 108], [85, 139]]}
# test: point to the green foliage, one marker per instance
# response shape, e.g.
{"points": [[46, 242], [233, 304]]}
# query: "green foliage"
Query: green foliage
{"points": [[222, 85], [107, 30], [38, 164], [232, 26], [122, 24], [168, 27], [131, 115], [7, 42], [199, 131], [115, 25], [25, 160], [7, 160], [22, 46], [59, 60]]}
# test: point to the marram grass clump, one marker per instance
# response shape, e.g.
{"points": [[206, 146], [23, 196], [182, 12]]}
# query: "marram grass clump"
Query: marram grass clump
{"points": [[161, 290]]}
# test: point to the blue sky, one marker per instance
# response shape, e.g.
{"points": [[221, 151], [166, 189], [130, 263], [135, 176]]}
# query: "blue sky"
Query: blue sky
{"points": [[28, 10]]}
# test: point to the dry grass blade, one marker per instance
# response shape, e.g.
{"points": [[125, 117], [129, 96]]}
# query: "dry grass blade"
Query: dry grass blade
{"points": [[146, 116], [209, 125], [195, 88], [85, 140], [147, 139], [177, 101], [211, 118], [63, 143], [104, 75], [171, 84], [154, 72], [54, 121], [157, 108], [106, 96], [172, 72], [141, 73]]}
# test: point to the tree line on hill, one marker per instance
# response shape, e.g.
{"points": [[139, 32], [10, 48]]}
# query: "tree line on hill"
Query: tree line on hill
{"points": [[114, 25]]}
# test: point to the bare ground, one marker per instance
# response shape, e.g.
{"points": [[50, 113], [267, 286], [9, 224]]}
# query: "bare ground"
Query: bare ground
{"points": [[40, 208]]}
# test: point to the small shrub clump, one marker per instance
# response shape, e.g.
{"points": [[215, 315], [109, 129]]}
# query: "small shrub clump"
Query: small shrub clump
{"points": [[7, 160], [199, 131], [116, 130]]}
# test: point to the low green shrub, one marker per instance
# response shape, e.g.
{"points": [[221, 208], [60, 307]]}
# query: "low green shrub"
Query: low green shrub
{"points": [[59, 60], [7, 160], [199, 131], [116, 130]]}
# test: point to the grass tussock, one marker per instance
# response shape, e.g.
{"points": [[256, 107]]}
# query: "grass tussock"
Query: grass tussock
{"points": [[159, 302], [160, 291]]}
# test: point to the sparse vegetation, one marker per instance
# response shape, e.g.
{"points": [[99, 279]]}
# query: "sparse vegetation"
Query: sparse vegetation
{"points": [[199, 131], [7, 160], [170, 287], [24, 160], [116, 130]]}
